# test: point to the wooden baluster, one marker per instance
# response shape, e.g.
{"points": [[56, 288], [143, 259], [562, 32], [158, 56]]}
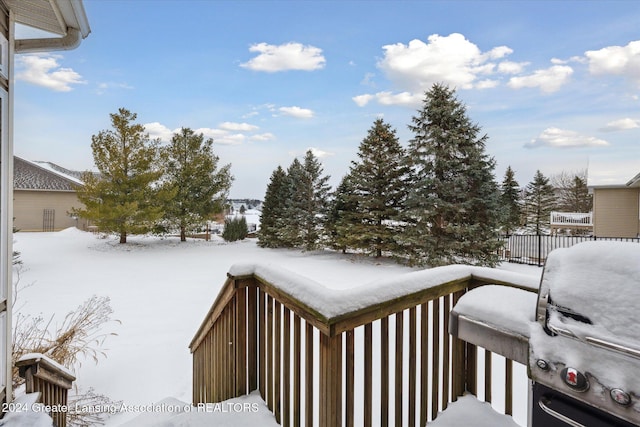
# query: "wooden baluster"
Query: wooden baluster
{"points": [[241, 342], [286, 367], [508, 384], [368, 374], [412, 367], [308, 375], [398, 389], [261, 344], [277, 335], [297, 349], [350, 374], [424, 362], [445, 352], [435, 354], [252, 336], [384, 371]]}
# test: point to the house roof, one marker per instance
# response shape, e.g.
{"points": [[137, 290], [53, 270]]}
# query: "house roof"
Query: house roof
{"points": [[42, 176], [632, 183], [54, 16], [64, 18]]}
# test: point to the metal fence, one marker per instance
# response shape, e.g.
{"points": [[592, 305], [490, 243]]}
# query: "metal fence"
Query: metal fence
{"points": [[533, 249]]}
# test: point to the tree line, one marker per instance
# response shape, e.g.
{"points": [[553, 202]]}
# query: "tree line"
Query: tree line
{"points": [[142, 186], [435, 202]]}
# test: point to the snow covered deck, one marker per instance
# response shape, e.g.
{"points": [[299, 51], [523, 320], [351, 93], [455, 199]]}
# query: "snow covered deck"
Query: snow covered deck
{"points": [[309, 350]]}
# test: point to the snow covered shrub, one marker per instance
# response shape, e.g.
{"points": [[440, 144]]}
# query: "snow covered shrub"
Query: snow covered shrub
{"points": [[235, 229]]}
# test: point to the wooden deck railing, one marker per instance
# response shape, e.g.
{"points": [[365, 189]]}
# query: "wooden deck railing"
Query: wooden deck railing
{"points": [[309, 350], [45, 376]]}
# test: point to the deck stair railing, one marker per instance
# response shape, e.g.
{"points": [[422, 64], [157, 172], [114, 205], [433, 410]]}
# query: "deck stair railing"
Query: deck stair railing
{"points": [[53, 381], [309, 350]]}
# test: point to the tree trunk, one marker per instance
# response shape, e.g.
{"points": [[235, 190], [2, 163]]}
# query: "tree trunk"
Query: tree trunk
{"points": [[123, 237], [183, 234]]}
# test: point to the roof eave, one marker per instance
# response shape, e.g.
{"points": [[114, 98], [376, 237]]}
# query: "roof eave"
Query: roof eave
{"points": [[70, 22]]}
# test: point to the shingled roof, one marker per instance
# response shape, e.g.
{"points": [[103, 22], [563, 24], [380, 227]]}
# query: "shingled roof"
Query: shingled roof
{"points": [[42, 176]]}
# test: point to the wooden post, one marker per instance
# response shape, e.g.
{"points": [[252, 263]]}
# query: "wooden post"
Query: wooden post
{"points": [[241, 342], [50, 379], [252, 336], [330, 380]]}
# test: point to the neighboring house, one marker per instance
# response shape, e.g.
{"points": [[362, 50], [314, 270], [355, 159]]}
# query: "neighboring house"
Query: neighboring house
{"points": [[67, 24], [43, 196], [616, 209]]}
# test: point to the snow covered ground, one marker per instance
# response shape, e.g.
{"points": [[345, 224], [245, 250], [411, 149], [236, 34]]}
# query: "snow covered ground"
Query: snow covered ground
{"points": [[160, 291]]}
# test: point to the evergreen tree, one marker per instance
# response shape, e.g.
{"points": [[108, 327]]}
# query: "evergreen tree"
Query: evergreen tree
{"points": [[510, 201], [192, 176], [235, 229], [291, 223], [123, 198], [378, 181], [273, 208], [340, 219], [539, 201], [306, 209], [454, 201]]}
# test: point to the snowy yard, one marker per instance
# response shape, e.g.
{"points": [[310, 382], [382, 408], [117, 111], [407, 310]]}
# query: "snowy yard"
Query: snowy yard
{"points": [[160, 291]]}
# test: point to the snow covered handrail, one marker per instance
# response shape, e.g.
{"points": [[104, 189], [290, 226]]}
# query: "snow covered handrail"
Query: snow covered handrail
{"points": [[52, 380], [251, 339]]}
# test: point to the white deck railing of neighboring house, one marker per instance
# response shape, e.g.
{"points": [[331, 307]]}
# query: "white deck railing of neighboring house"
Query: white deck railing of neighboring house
{"points": [[571, 219]]}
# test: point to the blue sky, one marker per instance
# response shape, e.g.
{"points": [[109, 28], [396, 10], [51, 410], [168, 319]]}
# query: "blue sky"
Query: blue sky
{"points": [[554, 84]]}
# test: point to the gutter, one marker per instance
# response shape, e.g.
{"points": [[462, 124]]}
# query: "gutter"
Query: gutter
{"points": [[74, 26], [69, 42]]}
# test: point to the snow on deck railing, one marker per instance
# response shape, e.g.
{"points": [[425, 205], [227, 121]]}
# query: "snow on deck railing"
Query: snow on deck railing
{"points": [[46, 376], [572, 219], [251, 339]]}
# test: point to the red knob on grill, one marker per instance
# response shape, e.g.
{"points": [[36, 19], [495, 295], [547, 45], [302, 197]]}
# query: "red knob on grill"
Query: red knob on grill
{"points": [[575, 379]]}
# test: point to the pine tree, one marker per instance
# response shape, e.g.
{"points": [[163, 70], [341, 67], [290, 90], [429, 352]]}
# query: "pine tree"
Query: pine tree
{"points": [[340, 219], [273, 208], [235, 229], [378, 181], [454, 201], [539, 201], [192, 176], [306, 208], [123, 198], [510, 202]]}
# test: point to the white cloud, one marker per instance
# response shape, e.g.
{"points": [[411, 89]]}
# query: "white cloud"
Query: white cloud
{"points": [[230, 139], [622, 124], [219, 135], [560, 138], [301, 113], [268, 136], [158, 131], [510, 67], [618, 60], [289, 56], [548, 80], [232, 126], [321, 154], [487, 84], [452, 59], [44, 70], [213, 133], [362, 100], [389, 98]]}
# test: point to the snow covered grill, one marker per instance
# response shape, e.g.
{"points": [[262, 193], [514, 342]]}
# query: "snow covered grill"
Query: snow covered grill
{"points": [[584, 348]]}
